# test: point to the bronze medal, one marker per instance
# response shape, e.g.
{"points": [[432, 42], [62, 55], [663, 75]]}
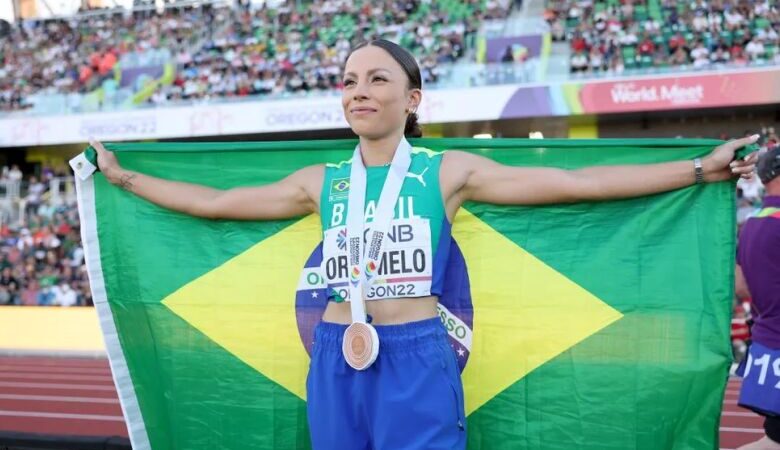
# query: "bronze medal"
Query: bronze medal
{"points": [[360, 346]]}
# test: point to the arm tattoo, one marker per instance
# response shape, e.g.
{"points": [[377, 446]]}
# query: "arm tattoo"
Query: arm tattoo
{"points": [[126, 181]]}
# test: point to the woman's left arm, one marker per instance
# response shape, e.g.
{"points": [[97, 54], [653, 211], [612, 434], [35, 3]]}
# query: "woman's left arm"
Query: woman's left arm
{"points": [[484, 180]]}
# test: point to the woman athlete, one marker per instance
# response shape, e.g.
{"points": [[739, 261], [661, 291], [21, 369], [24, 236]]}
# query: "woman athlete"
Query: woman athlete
{"points": [[411, 398]]}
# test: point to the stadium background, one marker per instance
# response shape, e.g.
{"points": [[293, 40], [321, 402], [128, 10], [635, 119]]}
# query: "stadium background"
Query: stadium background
{"points": [[269, 70]]}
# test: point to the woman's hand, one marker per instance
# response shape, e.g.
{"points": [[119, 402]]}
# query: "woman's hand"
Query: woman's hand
{"points": [[107, 162], [720, 165]]}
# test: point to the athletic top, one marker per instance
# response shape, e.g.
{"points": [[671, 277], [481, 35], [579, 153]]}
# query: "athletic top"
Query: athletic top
{"points": [[417, 244], [757, 255]]}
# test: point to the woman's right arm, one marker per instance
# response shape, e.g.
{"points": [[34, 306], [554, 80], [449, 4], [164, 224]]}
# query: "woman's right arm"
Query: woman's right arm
{"points": [[295, 195]]}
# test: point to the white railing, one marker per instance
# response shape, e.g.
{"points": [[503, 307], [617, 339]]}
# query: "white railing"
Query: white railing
{"points": [[15, 200]]}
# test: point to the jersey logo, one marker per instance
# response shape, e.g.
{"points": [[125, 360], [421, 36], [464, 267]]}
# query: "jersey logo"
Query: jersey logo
{"points": [[418, 176], [341, 239], [339, 189]]}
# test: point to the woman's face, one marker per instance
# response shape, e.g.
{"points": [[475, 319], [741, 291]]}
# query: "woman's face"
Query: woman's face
{"points": [[376, 94]]}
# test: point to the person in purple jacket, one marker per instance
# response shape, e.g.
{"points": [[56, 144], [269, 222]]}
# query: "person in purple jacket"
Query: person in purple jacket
{"points": [[758, 276]]}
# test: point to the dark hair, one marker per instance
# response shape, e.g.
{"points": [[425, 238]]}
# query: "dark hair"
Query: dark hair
{"points": [[768, 165], [412, 70]]}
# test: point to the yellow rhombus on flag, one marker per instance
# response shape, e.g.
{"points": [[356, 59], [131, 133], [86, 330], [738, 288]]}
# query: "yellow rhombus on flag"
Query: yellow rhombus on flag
{"points": [[525, 313]]}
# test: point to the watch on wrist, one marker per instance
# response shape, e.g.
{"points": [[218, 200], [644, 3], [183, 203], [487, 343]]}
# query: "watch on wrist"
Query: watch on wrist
{"points": [[698, 171]]}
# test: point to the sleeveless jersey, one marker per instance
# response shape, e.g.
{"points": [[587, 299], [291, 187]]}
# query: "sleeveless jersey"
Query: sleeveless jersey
{"points": [[417, 244]]}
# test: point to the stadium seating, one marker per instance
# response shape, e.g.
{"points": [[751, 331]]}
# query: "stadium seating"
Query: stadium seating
{"points": [[41, 258], [224, 52], [79, 55], [614, 35]]}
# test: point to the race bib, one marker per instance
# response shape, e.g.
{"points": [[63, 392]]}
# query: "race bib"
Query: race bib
{"points": [[404, 270], [760, 372]]}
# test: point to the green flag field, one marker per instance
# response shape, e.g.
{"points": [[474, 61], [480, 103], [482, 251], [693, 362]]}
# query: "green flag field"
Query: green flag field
{"points": [[585, 326]]}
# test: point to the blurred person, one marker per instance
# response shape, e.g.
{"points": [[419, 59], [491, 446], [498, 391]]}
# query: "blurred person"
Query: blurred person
{"points": [[25, 240], [85, 295], [34, 197], [616, 66], [29, 294], [647, 46], [733, 18], [596, 58], [5, 296], [739, 56], [720, 55], [752, 188], [679, 57], [579, 62], [381, 94], [8, 280], [700, 21], [45, 296], [64, 295], [699, 51], [755, 49], [745, 209], [676, 41], [14, 181], [757, 276]]}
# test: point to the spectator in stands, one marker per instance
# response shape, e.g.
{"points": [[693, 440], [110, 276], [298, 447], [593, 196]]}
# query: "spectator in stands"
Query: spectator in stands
{"points": [[249, 59], [596, 59], [11, 286], [237, 54], [721, 55], [40, 251], [508, 56], [616, 65], [755, 49], [738, 55], [700, 55], [646, 47], [675, 42], [679, 57], [700, 21], [772, 139], [34, 194], [579, 62], [63, 56], [733, 17], [64, 295]]}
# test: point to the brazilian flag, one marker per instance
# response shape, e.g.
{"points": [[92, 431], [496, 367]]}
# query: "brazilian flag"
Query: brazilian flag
{"points": [[587, 326]]}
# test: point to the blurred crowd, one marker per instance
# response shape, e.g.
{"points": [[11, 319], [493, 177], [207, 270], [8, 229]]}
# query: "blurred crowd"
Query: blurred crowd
{"points": [[41, 257], [305, 48], [221, 51], [614, 35], [77, 55]]}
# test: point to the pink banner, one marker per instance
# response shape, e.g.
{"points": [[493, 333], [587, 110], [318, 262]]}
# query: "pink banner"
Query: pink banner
{"points": [[701, 91]]}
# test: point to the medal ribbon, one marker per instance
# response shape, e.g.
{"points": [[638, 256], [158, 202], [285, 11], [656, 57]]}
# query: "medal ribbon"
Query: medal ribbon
{"points": [[364, 262]]}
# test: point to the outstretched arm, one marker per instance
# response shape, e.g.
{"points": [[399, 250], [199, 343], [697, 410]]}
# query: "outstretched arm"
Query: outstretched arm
{"points": [[293, 196], [485, 180]]}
